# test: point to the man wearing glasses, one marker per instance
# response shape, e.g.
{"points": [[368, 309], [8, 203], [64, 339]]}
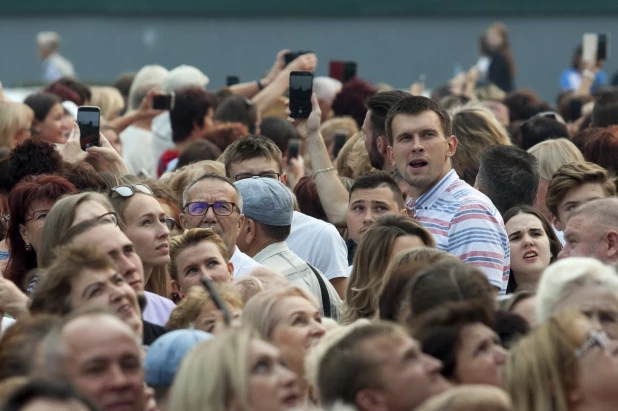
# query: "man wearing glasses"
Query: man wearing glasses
{"points": [[213, 202]]}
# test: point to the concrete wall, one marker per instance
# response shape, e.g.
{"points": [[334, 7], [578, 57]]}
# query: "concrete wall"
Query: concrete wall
{"points": [[389, 50]]}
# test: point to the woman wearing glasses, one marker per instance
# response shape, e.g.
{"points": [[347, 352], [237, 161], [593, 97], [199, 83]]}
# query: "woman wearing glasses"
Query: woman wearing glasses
{"points": [[144, 222], [565, 364], [29, 204]]}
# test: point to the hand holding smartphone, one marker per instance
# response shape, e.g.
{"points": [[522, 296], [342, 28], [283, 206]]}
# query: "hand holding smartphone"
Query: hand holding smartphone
{"points": [[89, 121], [163, 102], [301, 89], [293, 147]]}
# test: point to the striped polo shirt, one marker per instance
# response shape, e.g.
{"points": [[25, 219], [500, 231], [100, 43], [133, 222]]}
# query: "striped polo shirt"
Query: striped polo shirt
{"points": [[464, 222]]}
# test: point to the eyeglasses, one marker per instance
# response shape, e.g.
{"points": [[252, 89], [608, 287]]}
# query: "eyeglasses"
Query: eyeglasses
{"points": [[38, 215], [128, 191], [595, 338], [275, 176], [170, 223], [221, 208], [112, 217]]}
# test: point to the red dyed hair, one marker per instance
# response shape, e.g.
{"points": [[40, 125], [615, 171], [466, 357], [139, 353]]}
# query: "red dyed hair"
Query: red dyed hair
{"points": [[29, 190], [601, 147]]}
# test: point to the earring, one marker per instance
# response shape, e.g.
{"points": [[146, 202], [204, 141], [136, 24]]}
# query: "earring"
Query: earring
{"points": [[28, 247]]}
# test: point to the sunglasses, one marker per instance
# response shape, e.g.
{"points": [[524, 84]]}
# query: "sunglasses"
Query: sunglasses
{"points": [[128, 191]]}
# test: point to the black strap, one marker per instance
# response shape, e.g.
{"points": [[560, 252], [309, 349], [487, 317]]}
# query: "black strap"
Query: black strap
{"points": [[323, 291]]}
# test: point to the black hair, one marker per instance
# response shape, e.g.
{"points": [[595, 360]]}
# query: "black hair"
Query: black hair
{"points": [[509, 176], [237, 109], [538, 129], [510, 327], [191, 105], [47, 390], [605, 111], [279, 130], [379, 105], [41, 103], [197, 151]]}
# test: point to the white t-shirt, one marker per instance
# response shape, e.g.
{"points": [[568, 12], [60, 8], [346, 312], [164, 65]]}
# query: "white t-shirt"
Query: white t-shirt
{"points": [[243, 264], [5, 323], [320, 244], [161, 134], [137, 151]]}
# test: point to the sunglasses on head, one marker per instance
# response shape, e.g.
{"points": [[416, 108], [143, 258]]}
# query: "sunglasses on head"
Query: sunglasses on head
{"points": [[128, 191]]}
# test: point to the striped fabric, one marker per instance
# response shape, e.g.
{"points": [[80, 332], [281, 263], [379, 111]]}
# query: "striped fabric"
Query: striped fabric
{"points": [[464, 222]]}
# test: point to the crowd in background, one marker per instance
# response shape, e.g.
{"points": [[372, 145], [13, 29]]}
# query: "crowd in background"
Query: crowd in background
{"points": [[456, 251]]}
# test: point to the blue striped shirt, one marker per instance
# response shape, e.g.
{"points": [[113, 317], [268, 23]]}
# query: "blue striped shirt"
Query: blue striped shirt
{"points": [[464, 222]]}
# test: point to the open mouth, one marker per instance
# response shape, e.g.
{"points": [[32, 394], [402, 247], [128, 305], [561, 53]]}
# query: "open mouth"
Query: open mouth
{"points": [[418, 163], [531, 255]]}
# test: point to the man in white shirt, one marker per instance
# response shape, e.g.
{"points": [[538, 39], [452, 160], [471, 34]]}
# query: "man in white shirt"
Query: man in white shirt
{"points": [[269, 208], [313, 240], [54, 65], [206, 203]]}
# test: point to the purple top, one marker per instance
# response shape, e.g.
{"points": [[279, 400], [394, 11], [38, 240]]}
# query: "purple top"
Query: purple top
{"points": [[158, 309]]}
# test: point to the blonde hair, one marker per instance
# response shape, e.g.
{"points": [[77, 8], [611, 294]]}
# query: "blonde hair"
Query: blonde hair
{"points": [[469, 397], [353, 159], [109, 100], [476, 128], [187, 311], [564, 277], [214, 373], [192, 238], [553, 154], [13, 118], [259, 312], [542, 368], [332, 126]]}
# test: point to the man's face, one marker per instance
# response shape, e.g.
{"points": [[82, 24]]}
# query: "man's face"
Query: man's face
{"points": [[104, 362], [575, 197], [376, 157], [365, 206], [211, 191], [110, 239], [259, 166], [407, 375], [583, 237], [420, 151]]}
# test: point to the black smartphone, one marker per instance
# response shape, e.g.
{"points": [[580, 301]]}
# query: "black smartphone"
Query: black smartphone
{"points": [[293, 55], [349, 70], [89, 122], [293, 147], [340, 139], [231, 80], [301, 89], [216, 298], [603, 46], [163, 102]]}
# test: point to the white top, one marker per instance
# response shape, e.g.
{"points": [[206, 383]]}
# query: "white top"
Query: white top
{"points": [[5, 323], [137, 151], [161, 134], [243, 264], [320, 244], [158, 309], [279, 258], [55, 67]]}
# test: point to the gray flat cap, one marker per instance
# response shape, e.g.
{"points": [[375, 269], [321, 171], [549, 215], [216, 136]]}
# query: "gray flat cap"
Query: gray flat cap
{"points": [[266, 201]]}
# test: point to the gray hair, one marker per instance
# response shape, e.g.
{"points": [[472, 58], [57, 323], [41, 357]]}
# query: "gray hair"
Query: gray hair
{"points": [[49, 40], [213, 176], [182, 77], [148, 78], [603, 210]]}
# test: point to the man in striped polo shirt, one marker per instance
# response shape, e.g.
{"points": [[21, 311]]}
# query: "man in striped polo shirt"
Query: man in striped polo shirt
{"points": [[463, 221]]}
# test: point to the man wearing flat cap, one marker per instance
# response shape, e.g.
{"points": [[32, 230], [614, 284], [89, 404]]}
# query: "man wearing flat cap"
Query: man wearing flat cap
{"points": [[268, 208]]}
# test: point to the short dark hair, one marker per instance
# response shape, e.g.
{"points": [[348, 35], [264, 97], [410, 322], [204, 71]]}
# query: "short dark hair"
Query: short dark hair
{"points": [[197, 151], [538, 129], [439, 330], [237, 109], [41, 103], [415, 105], [191, 105], [123, 83], [45, 389], [275, 233], [79, 89], [249, 147], [510, 327], [34, 157], [279, 130], [605, 111], [509, 176], [379, 105], [377, 179]]}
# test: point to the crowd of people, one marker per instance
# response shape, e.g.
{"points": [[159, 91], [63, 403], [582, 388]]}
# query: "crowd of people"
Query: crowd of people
{"points": [[457, 253]]}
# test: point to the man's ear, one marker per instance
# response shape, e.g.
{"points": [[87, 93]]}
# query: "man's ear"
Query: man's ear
{"points": [[382, 143], [612, 245], [241, 223], [176, 288], [250, 233], [556, 223], [182, 220], [369, 399], [452, 143], [284, 178], [390, 155]]}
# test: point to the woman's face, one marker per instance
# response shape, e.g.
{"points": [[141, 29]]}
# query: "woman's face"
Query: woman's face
{"points": [[201, 260], [67, 126], [146, 228], [52, 128], [597, 303], [109, 289], [597, 375], [88, 210], [32, 229], [493, 38], [272, 385], [207, 318], [530, 250], [480, 356], [299, 328]]}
